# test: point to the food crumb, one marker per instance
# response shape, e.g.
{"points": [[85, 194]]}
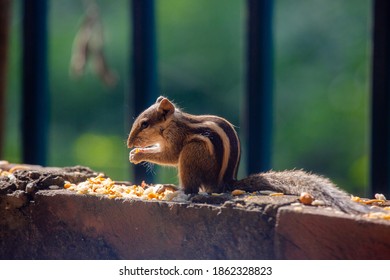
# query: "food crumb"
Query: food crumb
{"points": [[238, 192], [306, 198], [104, 186], [276, 194]]}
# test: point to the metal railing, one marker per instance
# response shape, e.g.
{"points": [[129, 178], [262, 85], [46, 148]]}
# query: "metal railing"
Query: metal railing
{"points": [[258, 96]]}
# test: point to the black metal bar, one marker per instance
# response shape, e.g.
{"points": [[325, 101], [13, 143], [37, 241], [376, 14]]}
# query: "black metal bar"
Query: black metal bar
{"points": [[144, 91], [5, 16], [380, 100], [258, 100], [35, 111]]}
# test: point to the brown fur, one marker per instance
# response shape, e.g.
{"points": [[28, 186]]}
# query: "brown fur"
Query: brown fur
{"points": [[206, 151], [199, 146]]}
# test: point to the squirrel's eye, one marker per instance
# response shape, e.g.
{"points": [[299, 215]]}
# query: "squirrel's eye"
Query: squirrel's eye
{"points": [[144, 124]]}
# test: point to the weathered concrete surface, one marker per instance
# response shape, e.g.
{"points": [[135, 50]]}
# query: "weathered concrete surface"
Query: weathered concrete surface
{"points": [[41, 220], [20, 238], [312, 233], [64, 225]]}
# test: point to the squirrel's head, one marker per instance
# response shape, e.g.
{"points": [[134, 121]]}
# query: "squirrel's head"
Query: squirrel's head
{"points": [[148, 128]]}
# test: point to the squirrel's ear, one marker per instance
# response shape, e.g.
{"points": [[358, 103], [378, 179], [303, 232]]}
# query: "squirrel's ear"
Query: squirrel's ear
{"points": [[159, 99], [165, 107]]}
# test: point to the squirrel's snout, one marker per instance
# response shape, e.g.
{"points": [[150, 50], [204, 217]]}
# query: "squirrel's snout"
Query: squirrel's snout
{"points": [[130, 142], [133, 141]]}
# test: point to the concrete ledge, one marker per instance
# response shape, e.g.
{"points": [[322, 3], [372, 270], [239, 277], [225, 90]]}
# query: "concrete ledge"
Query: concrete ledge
{"points": [[155, 230], [313, 233], [64, 225], [41, 220]]}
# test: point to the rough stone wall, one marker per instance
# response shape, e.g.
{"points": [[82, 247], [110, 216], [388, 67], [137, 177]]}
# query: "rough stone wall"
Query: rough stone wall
{"points": [[41, 220]]}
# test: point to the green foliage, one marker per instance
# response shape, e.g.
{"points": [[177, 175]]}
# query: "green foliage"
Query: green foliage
{"points": [[322, 59], [322, 84], [99, 151]]}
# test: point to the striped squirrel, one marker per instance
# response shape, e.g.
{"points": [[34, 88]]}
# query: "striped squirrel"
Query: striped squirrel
{"points": [[206, 151]]}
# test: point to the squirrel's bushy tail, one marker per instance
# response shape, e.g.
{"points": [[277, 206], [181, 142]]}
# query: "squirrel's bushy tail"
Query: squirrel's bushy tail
{"points": [[294, 182]]}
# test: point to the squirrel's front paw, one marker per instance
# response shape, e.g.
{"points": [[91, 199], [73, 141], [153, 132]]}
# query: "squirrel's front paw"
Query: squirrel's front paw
{"points": [[135, 156]]}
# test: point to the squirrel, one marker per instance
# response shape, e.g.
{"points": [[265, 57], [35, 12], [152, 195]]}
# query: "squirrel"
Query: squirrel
{"points": [[206, 151]]}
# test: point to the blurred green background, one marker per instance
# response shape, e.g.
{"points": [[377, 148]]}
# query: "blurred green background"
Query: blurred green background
{"points": [[322, 80]]}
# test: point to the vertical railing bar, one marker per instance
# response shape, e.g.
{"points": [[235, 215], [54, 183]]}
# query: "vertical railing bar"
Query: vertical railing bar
{"points": [[258, 99], [5, 17], [35, 95], [380, 99], [144, 73]]}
